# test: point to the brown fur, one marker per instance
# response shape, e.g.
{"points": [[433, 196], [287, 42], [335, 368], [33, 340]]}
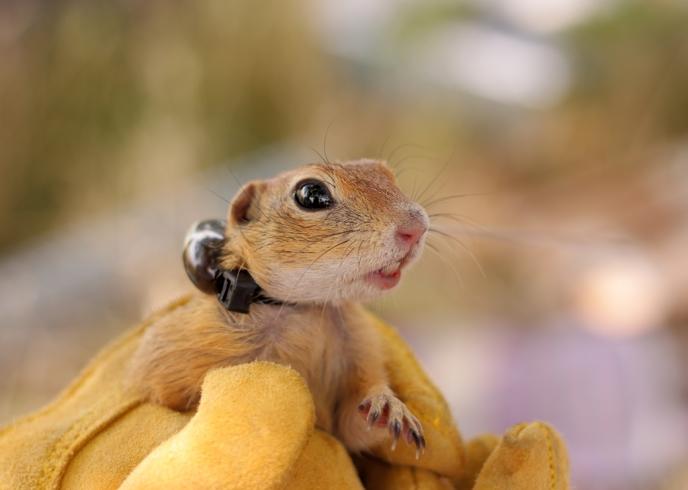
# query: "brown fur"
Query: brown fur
{"points": [[318, 260]]}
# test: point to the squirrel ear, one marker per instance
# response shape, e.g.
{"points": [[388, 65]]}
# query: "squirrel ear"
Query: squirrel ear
{"points": [[202, 247], [243, 207]]}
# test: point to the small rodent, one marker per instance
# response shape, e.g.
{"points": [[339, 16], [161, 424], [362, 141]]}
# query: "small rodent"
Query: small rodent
{"points": [[321, 238]]}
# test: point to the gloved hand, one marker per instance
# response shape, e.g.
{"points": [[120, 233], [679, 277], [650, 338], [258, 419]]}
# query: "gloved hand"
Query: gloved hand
{"points": [[254, 428]]}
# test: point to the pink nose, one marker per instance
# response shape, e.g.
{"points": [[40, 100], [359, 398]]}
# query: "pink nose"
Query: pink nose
{"points": [[410, 233]]}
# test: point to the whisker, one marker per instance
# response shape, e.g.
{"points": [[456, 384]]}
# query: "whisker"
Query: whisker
{"points": [[329, 170], [319, 154], [390, 157], [463, 246], [459, 218], [327, 132], [437, 252], [455, 254], [218, 195], [454, 196], [381, 151], [233, 175], [406, 169], [401, 161], [310, 243], [298, 281], [439, 174], [319, 238], [413, 190], [539, 239]]}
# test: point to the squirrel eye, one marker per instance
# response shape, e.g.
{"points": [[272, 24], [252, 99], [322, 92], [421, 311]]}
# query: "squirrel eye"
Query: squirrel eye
{"points": [[313, 195]]}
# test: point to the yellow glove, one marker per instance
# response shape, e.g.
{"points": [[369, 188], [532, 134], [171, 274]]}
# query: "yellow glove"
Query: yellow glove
{"points": [[254, 429]]}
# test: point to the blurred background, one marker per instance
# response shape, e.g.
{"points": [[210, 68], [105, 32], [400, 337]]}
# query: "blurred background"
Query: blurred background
{"points": [[548, 138]]}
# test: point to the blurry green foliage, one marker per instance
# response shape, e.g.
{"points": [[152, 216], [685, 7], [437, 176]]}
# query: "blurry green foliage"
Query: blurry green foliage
{"points": [[637, 56], [86, 87], [103, 101]]}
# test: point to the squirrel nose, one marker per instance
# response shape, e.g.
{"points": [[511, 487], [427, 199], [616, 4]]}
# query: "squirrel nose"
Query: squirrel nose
{"points": [[410, 233]]}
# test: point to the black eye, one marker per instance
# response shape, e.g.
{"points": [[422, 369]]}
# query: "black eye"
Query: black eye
{"points": [[313, 195]]}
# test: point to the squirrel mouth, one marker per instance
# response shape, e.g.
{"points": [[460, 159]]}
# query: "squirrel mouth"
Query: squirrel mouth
{"points": [[388, 276]]}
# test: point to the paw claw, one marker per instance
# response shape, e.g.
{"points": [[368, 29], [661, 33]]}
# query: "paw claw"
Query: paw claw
{"points": [[373, 415], [396, 429], [416, 439], [385, 410]]}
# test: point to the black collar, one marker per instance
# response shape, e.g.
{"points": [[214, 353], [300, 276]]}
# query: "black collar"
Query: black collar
{"points": [[236, 290]]}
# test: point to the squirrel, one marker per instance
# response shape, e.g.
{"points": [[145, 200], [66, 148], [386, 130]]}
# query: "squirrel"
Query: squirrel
{"points": [[318, 240]]}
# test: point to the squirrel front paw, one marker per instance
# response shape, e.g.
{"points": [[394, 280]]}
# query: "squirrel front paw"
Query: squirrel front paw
{"points": [[384, 410]]}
